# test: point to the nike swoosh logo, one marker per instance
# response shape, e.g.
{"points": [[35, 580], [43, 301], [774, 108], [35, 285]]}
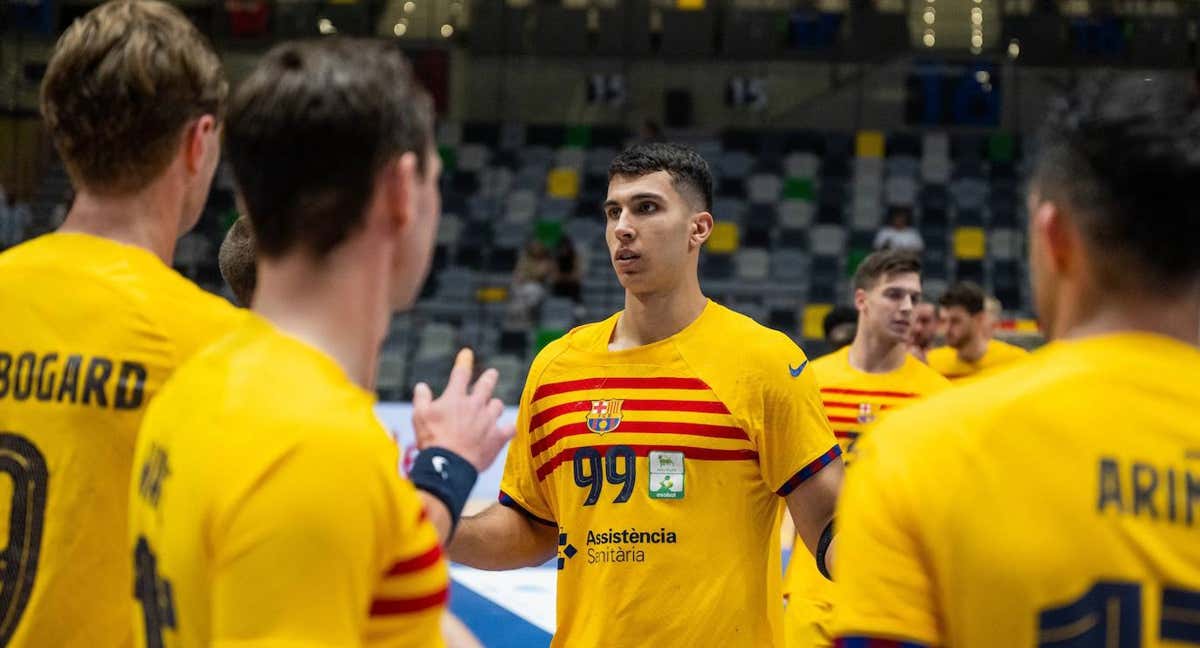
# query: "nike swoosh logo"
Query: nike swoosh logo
{"points": [[796, 371]]}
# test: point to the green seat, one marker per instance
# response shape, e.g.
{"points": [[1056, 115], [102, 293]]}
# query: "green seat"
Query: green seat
{"points": [[801, 188], [449, 158], [545, 337], [579, 136], [1001, 147], [549, 232]]}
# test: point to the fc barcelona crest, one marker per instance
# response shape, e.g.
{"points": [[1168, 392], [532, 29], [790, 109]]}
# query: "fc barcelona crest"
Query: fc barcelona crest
{"points": [[866, 413], [605, 415]]}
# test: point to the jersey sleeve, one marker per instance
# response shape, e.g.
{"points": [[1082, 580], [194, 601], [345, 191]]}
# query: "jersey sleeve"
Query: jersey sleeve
{"points": [[884, 588], [795, 441], [520, 488], [326, 535]]}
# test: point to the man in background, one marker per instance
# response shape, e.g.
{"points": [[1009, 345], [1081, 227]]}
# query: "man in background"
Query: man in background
{"points": [[924, 330], [860, 383], [970, 349], [839, 325]]}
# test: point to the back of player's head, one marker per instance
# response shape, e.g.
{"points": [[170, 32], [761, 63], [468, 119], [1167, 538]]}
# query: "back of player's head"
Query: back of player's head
{"points": [[122, 83], [837, 316], [309, 131], [966, 295], [883, 264], [236, 260], [689, 172], [1122, 156]]}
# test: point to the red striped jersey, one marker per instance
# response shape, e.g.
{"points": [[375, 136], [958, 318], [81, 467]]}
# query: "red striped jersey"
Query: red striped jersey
{"points": [[267, 508], [854, 401], [662, 468]]}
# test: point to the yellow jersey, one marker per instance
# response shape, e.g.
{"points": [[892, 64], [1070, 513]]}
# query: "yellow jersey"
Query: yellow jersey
{"points": [[853, 400], [91, 330], [1051, 504], [267, 508], [662, 467], [945, 360]]}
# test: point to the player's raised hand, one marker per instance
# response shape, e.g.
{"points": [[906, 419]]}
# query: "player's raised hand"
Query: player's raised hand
{"points": [[465, 418]]}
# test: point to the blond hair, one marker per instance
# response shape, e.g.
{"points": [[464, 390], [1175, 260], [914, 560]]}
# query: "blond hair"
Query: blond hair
{"points": [[122, 83]]}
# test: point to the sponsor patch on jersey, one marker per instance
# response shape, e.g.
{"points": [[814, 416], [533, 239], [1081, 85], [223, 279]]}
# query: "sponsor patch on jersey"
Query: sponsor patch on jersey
{"points": [[605, 415], [666, 475]]}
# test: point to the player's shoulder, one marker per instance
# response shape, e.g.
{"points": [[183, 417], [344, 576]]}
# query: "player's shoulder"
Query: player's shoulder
{"points": [[1007, 350], [834, 360], [746, 337], [927, 379], [980, 407]]}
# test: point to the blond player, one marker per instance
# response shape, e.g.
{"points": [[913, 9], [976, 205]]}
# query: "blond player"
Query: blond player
{"points": [[267, 508], [869, 379], [1054, 504], [95, 319], [970, 349], [654, 447]]}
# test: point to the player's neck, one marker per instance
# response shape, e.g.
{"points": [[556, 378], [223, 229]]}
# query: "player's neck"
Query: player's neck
{"points": [[877, 354], [649, 318], [1176, 317], [974, 349], [339, 305], [149, 219]]}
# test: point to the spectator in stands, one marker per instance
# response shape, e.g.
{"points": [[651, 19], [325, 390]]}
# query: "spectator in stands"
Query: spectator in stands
{"points": [[535, 268], [924, 329], [841, 325], [568, 270], [899, 234], [969, 348]]}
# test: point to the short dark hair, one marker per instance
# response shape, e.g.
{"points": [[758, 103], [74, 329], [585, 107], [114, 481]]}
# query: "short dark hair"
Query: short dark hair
{"points": [[838, 316], [309, 131], [966, 294], [885, 263], [236, 261], [689, 172], [1123, 153]]}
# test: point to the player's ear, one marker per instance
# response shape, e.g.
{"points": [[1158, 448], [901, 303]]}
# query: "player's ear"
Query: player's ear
{"points": [[1053, 237], [199, 138], [860, 299], [399, 187], [702, 226]]}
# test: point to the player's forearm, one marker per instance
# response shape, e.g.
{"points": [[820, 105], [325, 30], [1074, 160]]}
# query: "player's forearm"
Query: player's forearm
{"points": [[500, 538], [438, 515]]}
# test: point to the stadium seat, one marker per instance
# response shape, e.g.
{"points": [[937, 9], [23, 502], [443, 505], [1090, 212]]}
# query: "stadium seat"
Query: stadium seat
{"points": [[866, 216], [1004, 244], [724, 238], [814, 320], [796, 213], [932, 288], [828, 240], [905, 144], [969, 270], [799, 189], [1002, 147], [935, 144], [472, 157], [449, 229], [752, 264], [521, 207], [729, 209], [757, 236], [436, 340], [763, 188], [936, 170], [901, 190], [563, 182], [598, 160], [802, 165], [869, 144], [783, 319], [496, 181], [512, 376], [903, 165], [570, 158], [511, 136], [969, 193], [969, 243], [735, 164], [789, 265]]}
